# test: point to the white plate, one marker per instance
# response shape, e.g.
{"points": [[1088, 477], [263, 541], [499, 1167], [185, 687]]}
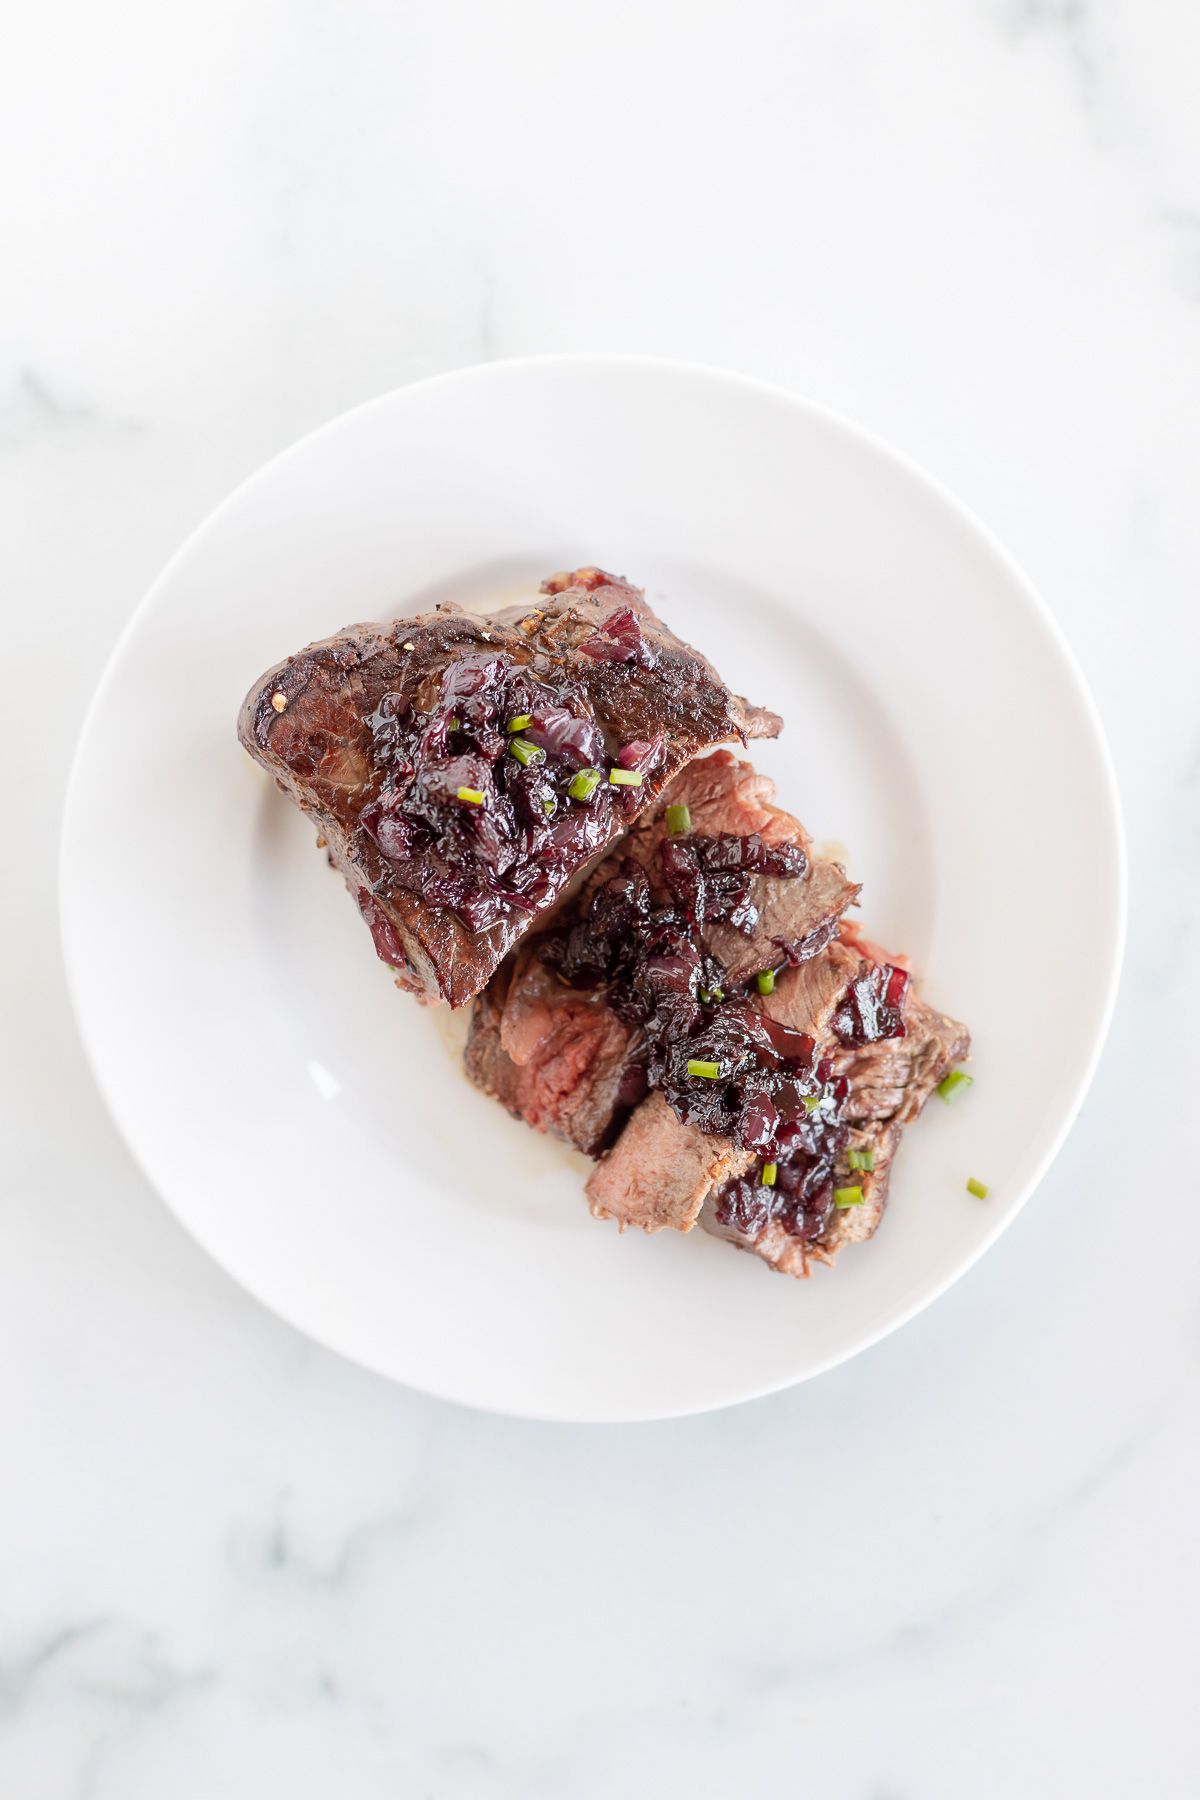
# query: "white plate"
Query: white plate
{"points": [[310, 1125]]}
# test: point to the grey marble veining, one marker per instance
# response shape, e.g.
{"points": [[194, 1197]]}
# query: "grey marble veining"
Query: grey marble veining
{"points": [[964, 1564]]}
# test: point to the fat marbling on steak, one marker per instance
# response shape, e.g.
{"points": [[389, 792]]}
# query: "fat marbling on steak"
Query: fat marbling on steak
{"points": [[464, 769]]}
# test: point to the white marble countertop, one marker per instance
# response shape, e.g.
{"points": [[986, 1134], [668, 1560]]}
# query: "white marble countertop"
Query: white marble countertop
{"points": [[964, 1565]]}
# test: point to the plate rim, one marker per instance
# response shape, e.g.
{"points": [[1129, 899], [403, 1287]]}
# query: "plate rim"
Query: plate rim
{"points": [[874, 445]]}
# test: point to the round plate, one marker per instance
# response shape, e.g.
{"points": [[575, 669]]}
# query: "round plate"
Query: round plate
{"points": [[311, 1125]]}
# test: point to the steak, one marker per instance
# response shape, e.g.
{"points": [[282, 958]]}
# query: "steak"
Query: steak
{"points": [[888, 1084], [640, 1181], [558, 1056], [553, 1055], [802, 1047], [661, 1171], [725, 797], [463, 770]]}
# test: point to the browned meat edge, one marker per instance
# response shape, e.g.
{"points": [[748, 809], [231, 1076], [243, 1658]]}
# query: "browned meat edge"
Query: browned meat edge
{"points": [[305, 721]]}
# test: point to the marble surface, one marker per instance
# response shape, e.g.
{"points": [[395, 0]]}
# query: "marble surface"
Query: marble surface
{"points": [[965, 1564]]}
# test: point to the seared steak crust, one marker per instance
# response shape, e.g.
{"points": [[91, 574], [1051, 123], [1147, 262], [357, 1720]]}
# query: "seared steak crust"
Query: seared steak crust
{"points": [[313, 722]]}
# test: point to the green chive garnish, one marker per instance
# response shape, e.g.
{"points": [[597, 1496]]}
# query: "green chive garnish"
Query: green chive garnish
{"points": [[474, 796], [950, 1084], [766, 981], [711, 1071], [520, 722], [453, 725], [678, 819], [769, 1172], [709, 994], [811, 1102], [584, 785], [549, 805], [861, 1159], [848, 1196], [525, 752], [977, 1188], [625, 777]]}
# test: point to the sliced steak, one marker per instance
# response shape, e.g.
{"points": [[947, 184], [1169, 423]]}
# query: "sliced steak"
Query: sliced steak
{"points": [[725, 797], [533, 1032], [554, 1056], [804, 998], [660, 1171], [762, 1090], [888, 1083], [454, 831]]}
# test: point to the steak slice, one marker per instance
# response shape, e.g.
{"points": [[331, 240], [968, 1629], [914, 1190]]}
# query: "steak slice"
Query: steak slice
{"points": [[662, 1172], [728, 797], [889, 1083], [455, 833], [553, 1055], [533, 1034]]}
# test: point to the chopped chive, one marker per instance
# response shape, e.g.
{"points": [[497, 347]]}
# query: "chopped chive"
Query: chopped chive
{"points": [[584, 785], [474, 796], [769, 1172], [811, 1102], [847, 1196], [525, 752], [950, 1084], [520, 722], [861, 1159], [549, 805], [625, 777], [678, 819], [453, 725], [766, 981], [977, 1188], [711, 1071], [709, 994]]}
